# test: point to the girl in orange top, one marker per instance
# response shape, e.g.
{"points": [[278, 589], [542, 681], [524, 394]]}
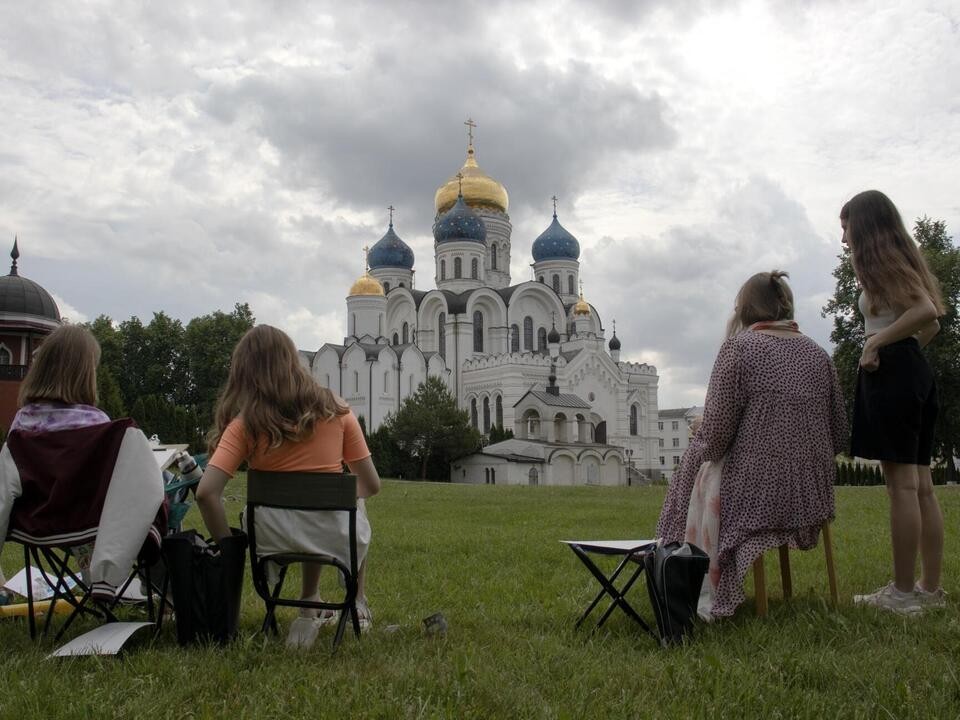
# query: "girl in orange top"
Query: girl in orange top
{"points": [[275, 416]]}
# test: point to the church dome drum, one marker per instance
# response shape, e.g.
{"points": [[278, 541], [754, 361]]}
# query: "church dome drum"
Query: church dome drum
{"points": [[556, 243], [460, 223], [390, 251]]}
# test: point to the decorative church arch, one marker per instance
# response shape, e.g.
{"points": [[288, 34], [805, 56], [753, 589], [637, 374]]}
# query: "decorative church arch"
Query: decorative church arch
{"points": [[529, 428], [401, 309], [563, 468], [494, 312], [560, 428], [538, 302]]}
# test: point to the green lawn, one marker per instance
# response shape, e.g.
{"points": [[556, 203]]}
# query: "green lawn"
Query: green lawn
{"points": [[488, 559]]}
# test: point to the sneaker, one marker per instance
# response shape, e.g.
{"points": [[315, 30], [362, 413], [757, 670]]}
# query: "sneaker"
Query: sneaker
{"points": [[889, 598], [303, 633], [930, 598]]}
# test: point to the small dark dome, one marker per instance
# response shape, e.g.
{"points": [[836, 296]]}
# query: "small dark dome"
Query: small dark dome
{"points": [[553, 336], [555, 243], [390, 251], [460, 223], [20, 296], [614, 341]]}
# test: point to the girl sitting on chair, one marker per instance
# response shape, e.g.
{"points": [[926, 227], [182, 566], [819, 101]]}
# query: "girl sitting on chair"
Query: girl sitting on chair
{"points": [[275, 416], [759, 472]]}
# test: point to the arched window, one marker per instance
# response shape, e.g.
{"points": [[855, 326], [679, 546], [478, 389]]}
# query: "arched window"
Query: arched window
{"points": [[356, 381], [328, 380], [486, 414], [386, 287], [442, 335], [386, 382], [475, 269], [353, 324], [540, 279], [514, 338], [406, 333], [401, 284], [478, 331], [410, 385], [457, 268], [556, 283], [528, 333], [542, 339], [633, 419], [499, 411], [396, 339], [571, 286], [493, 476], [473, 412], [443, 269], [493, 257]]}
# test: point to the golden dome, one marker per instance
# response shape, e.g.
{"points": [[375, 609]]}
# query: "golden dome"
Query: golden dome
{"points": [[479, 189], [367, 285], [581, 308]]}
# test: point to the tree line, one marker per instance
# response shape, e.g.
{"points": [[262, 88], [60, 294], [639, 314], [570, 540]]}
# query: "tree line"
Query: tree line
{"points": [[166, 375], [943, 352]]}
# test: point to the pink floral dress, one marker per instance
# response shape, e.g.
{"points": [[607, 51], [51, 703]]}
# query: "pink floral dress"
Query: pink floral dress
{"points": [[774, 415]]}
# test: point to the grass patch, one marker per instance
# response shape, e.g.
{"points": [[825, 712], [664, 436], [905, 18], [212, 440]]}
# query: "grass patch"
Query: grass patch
{"points": [[488, 559]]}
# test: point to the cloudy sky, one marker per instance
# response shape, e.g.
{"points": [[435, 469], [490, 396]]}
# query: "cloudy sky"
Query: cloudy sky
{"points": [[186, 156]]}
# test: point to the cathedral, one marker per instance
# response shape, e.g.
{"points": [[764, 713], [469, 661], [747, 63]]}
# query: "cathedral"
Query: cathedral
{"points": [[530, 356]]}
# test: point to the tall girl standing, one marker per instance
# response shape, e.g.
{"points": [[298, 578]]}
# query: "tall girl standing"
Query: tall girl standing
{"points": [[896, 400]]}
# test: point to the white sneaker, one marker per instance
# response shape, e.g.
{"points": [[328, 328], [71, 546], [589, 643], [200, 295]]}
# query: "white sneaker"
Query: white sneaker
{"points": [[303, 633], [930, 598], [889, 598]]}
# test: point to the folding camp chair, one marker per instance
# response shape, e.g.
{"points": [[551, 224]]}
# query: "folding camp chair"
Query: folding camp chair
{"points": [[303, 491]]}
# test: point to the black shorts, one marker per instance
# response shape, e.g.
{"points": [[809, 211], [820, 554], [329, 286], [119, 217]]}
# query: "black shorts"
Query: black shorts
{"points": [[895, 407]]}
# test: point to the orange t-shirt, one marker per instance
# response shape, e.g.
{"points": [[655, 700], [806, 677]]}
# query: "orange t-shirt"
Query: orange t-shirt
{"points": [[333, 442]]}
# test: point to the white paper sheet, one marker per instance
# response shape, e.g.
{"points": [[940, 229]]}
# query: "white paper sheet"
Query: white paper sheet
{"points": [[164, 456], [105, 640], [41, 590]]}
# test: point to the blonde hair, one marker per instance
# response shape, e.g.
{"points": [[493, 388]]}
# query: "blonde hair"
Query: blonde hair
{"points": [[765, 296], [64, 369], [271, 392], [889, 265]]}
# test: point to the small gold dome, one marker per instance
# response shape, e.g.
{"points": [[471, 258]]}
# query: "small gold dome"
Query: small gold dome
{"points": [[367, 285], [581, 308], [479, 189]]}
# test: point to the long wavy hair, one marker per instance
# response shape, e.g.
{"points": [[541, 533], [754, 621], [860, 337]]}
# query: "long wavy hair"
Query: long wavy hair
{"points": [[765, 296], [886, 260], [64, 369], [271, 392]]}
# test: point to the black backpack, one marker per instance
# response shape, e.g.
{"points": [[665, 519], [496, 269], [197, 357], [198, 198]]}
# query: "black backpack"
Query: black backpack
{"points": [[675, 573]]}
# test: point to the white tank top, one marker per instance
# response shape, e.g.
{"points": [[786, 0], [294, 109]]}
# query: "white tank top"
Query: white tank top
{"points": [[874, 323]]}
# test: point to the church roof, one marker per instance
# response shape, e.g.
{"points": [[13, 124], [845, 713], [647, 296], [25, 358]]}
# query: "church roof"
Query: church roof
{"points": [[460, 223], [22, 297], [674, 413], [567, 400], [390, 251], [556, 243]]}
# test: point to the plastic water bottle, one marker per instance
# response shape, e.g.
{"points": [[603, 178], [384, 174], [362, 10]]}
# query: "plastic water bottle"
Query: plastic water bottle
{"points": [[189, 470]]}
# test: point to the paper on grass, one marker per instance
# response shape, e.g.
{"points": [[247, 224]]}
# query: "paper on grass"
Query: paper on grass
{"points": [[105, 640], [41, 588]]}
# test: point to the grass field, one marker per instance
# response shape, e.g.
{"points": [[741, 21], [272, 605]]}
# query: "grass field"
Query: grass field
{"points": [[488, 559]]}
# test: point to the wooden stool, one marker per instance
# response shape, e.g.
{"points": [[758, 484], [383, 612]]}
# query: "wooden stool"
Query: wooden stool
{"points": [[760, 575]]}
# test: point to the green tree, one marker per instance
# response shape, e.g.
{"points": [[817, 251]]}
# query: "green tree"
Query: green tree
{"points": [[432, 430], [109, 397], [499, 434], [943, 352]]}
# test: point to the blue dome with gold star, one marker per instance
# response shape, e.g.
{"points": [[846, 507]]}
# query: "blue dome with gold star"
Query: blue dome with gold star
{"points": [[390, 251], [556, 243], [460, 223]]}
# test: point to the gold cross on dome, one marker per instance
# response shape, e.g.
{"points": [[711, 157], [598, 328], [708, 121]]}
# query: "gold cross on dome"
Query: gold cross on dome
{"points": [[470, 126]]}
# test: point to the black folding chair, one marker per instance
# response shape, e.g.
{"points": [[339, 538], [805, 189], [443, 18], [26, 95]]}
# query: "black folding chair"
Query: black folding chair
{"points": [[303, 491]]}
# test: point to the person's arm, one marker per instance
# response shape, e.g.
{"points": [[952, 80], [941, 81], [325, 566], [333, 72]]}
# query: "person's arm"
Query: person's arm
{"points": [[916, 318], [210, 502], [927, 333], [368, 479]]}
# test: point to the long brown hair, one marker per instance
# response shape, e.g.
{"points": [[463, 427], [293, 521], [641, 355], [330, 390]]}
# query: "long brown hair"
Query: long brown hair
{"points": [[886, 260], [765, 296], [64, 368], [271, 391]]}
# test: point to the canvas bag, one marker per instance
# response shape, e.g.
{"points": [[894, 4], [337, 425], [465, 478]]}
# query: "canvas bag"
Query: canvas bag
{"points": [[206, 583], [675, 574]]}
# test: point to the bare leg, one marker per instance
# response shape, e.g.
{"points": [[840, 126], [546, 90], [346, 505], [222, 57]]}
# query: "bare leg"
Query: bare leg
{"points": [[362, 581], [931, 532], [905, 521], [310, 586]]}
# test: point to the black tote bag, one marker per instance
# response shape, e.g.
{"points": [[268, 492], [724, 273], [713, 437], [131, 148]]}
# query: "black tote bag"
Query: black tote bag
{"points": [[206, 583]]}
